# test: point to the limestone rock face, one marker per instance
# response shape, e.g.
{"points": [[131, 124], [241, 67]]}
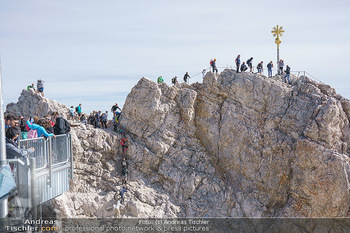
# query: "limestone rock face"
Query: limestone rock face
{"points": [[243, 145], [236, 145], [95, 188], [33, 104]]}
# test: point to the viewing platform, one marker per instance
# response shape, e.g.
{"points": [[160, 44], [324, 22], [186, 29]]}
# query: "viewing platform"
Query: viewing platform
{"points": [[46, 173]]}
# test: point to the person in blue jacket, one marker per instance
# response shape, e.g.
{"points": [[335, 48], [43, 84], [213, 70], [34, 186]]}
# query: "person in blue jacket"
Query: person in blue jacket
{"points": [[269, 68], [122, 191], [243, 67], [40, 130], [238, 62]]}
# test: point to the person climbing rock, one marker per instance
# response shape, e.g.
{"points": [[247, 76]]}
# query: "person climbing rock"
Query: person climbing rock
{"points": [[122, 130], [125, 163], [125, 173], [250, 64], [123, 143], [287, 75], [124, 180], [186, 77], [122, 191], [115, 108]]}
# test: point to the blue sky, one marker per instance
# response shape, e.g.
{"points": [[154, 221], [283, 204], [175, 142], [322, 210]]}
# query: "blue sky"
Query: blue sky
{"points": [[93, 52]]}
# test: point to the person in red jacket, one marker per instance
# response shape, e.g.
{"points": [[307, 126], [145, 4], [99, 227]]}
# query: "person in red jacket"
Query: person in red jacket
{"points": [[123, 143]]}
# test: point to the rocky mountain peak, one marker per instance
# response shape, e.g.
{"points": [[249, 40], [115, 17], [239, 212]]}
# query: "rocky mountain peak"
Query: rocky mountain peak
{"points": [[236, 145]]}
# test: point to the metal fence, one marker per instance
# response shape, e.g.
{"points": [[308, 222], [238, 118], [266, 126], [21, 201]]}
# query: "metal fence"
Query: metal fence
{"points": [[58, 148], [46, 173], [198, 77]]}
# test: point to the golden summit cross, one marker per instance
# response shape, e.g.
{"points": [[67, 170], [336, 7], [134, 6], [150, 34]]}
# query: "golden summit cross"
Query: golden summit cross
{"points": [[277, 31]]}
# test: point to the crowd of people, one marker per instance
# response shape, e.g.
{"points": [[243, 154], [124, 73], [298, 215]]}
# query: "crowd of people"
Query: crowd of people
{"points": [[260, 67], [23, 127], [240, 67], [95, 118]]}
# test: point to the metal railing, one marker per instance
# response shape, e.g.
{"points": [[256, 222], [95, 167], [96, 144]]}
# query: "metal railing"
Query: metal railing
{"points": [[58, 148], [198, 77], [46, 173]]}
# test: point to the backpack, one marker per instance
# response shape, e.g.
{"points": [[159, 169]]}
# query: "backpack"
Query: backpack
{"points": [[66, 125], [64, 129], [76, 109], [32, 133], [40, 85]]}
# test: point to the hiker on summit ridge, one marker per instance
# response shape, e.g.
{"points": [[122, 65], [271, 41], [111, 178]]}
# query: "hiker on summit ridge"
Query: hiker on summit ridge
{"points": [[78, 109], [40, 87], [243, 67], [280, 66], [238, 62], [160, 79], [260, 67], [174, 80], [71, 112], [287, 75], [213, 65], [269, 69], [31, 87], [203, 72], [104, 120], [186, 77], [250, 64]]}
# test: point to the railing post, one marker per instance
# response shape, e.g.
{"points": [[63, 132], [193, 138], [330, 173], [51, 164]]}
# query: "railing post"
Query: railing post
{"points": [[50, 161], [69, 138], [3, 204], [33, 187]]}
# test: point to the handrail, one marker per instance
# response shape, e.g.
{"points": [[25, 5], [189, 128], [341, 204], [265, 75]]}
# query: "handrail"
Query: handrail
{"points": [[264, 72], [16, 161], [52, 175]]}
